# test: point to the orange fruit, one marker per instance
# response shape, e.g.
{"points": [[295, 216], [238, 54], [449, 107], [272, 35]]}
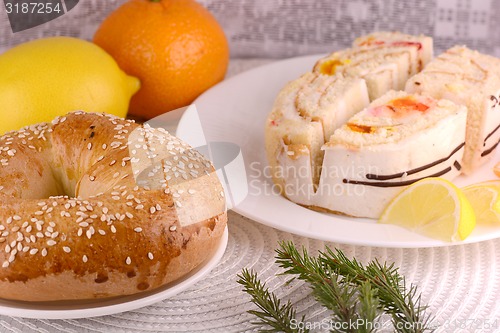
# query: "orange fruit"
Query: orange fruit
{"points": [[175, 47]]}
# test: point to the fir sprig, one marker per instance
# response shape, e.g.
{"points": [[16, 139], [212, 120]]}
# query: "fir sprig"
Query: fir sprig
{"points": [[272, 313], [408, 315], [355, 294]]}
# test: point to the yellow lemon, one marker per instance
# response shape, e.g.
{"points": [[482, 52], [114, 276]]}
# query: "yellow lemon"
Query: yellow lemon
{"points": [[485, 199], [48, 77], [433, 207]]}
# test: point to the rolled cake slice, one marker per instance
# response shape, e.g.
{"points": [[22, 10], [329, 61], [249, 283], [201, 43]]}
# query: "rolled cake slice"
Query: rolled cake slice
{"points": [[399, 139], [305, 114], [472, 79], [383, 68], [423, 45]]}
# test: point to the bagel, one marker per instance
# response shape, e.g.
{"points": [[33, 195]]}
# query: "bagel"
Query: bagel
{"points": [[94, 206]]}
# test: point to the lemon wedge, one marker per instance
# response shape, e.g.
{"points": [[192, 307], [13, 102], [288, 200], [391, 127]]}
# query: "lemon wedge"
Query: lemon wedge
{"points": [[432, 207], [485, 200]]}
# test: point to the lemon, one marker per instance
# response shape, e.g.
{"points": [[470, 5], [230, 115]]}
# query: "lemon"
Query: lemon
{"points": [[485, 200], [48, 77], [433, 207]]}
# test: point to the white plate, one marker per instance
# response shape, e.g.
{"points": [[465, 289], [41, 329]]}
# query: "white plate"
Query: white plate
{"points": [[235, 110], [95, 308]]}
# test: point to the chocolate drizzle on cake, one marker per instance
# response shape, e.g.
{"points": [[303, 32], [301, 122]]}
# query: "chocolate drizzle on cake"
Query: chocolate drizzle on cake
{"points": [[413, 171], [491, 149], [493, 132], [395, 184], [381, 178], [496, 101]]}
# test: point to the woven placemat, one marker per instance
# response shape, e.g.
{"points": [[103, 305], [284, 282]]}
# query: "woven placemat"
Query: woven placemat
{"points": [[460, 283]]}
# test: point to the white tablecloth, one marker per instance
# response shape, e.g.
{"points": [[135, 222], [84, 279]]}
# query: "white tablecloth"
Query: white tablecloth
{"points": [[460, 283]]}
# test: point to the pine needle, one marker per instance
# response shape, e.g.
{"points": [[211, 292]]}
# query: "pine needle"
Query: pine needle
{"points": [[272, 313], [408, 315], [355, 294]]}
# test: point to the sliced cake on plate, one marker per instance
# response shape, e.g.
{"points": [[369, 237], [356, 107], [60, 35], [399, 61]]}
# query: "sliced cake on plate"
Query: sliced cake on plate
{"points": [[385, 39], [382, 68], [399, 139], [304, 116], [385, 60], [330, 150], [472, 79]]}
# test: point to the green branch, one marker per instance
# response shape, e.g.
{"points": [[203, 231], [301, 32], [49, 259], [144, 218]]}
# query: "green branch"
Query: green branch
{"points": [[355, 294], [272, 313]]}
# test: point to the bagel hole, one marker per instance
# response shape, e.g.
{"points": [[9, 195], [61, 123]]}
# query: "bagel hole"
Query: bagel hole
{"points": [[50, 184], [63, 183], [56, 182]]}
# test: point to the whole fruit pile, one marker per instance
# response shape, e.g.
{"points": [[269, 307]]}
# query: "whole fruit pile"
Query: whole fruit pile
{"points": [[148, 57]]}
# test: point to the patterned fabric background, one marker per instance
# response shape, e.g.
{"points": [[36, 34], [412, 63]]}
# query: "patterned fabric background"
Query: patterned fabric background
{"points": [[279, 28]]}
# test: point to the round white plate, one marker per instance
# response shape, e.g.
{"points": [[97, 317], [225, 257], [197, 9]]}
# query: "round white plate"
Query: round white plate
{"points": [[235, 111], [95, 308]]}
